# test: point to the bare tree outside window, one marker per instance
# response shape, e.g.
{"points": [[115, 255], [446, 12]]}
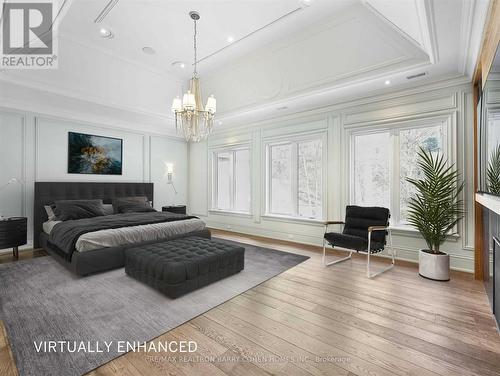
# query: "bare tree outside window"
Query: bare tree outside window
{"points": [[371, 169], [281, 181], [295, 181], [382, 160], [410, 141], [310, 179], [232, 182]]}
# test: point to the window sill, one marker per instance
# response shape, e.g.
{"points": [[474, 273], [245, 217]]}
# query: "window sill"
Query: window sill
{"points": [[233, 213], [285, 218], [410, 231]]}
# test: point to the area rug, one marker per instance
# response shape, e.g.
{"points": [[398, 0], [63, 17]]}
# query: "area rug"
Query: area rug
{"points": [[40, 301]]}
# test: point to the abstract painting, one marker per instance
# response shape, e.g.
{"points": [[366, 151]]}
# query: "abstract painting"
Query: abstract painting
{"points": [[90, 154]]}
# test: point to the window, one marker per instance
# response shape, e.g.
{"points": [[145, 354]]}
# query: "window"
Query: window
{"points": [[410, 141], [231, 180], [381, 162], [295, 178], [371, 169]]}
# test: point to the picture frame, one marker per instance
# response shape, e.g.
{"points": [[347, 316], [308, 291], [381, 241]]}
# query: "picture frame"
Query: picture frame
{"points": [[94, 154]]}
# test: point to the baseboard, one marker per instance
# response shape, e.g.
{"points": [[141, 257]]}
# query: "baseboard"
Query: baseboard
{"points": [[458, 263]]}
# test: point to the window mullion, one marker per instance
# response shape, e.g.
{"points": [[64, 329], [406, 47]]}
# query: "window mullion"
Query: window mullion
{"points": [[395, 177], [232, 180], [215, 180], [295, 169], [269, 197]]}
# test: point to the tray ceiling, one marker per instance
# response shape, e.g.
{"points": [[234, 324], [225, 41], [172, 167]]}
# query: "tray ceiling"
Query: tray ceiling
{"points": [[284, 51]]}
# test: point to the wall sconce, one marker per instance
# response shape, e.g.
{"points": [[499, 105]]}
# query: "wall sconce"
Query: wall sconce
{"points": [[170, 175]]}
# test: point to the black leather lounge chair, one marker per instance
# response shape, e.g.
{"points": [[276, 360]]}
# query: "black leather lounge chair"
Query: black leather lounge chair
{"points": [[365, 230]]}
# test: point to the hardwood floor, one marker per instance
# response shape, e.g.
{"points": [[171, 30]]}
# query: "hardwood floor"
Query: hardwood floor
{"points": [[313, 320]]}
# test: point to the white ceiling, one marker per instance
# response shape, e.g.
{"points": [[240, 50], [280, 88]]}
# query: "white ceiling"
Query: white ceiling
{"points": [[392, 11], [309, 56], [166, 26]]}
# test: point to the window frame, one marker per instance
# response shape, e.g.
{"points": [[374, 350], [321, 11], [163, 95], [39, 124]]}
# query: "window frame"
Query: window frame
{"points": [[295, 139], [214, 178], [448, 142]]}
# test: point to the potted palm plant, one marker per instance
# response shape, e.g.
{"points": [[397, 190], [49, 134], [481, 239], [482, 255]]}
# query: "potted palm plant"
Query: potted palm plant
{"points": [[434, 210], [493, 172]]}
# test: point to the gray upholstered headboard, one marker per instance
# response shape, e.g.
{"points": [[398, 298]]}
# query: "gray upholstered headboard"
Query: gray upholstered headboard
{"points": [[48, 192]]}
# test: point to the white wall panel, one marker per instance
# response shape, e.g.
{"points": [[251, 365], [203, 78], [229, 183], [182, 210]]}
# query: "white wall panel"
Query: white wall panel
{"points": [[166, 150], [52, 151], [198, 179], [12, 131]]}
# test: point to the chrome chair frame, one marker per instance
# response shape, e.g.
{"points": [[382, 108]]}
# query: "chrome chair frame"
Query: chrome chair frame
{"points": [[370, 230]]}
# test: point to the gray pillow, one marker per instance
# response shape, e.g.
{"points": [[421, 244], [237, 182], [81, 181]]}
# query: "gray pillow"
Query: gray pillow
{"points": [[135, 207], [121, 201], [66, 210]]}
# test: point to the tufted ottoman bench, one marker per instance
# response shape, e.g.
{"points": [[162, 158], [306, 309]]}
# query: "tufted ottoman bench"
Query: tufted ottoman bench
{"points": [[176, 267]]}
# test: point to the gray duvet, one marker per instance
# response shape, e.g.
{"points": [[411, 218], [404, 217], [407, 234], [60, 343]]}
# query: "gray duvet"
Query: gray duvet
{"points": [[64, 235]]}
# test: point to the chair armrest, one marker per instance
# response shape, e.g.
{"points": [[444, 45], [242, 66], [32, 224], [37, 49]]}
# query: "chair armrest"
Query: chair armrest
{"points": [[377, 228], [327, 223], [333, 223]]}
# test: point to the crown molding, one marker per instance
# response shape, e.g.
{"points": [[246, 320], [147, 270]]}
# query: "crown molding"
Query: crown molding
{"points": [[425, 9], [85, 117], [467, 15], [396, 95], [396, 28], [425, 15], [305, 95], [37, 85]]}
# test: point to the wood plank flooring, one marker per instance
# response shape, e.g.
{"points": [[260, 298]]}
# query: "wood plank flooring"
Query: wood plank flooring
{"points": [[313, 320]]}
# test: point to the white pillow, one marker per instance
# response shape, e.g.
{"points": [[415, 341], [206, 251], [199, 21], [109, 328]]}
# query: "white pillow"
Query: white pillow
{"points": [[50, 213]]}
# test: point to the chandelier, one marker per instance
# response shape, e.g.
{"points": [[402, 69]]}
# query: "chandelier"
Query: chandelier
{"points": [[191, 118]]}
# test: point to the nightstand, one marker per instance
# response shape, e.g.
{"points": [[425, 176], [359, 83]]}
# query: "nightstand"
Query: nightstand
{"points": [[177, 209], [13, 234]]}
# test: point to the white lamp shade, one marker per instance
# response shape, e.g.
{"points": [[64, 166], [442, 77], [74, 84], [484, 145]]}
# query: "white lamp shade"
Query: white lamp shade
{"points": [[211, 104], [188, 101], [170, 168], [177, 105]]}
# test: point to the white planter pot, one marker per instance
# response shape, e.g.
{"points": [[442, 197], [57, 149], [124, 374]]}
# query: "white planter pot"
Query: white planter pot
{"points": [[434, 266]]}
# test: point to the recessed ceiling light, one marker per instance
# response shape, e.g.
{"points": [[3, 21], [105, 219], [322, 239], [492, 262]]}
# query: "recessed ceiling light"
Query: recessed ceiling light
{"points": [[230, 39], [387, 82], [104, 32], [179, 64], [306, 3], [148, 50]]}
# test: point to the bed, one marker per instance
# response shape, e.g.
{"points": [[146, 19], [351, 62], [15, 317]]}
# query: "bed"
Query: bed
{"points": [[89, 259]]}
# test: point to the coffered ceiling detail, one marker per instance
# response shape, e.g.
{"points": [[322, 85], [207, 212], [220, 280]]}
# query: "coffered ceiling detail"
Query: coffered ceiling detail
{"points": [[255, 56]]}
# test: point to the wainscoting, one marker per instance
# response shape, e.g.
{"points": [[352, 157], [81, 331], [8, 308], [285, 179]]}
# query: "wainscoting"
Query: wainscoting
{"points": [[446, 103], [34, 147]]}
